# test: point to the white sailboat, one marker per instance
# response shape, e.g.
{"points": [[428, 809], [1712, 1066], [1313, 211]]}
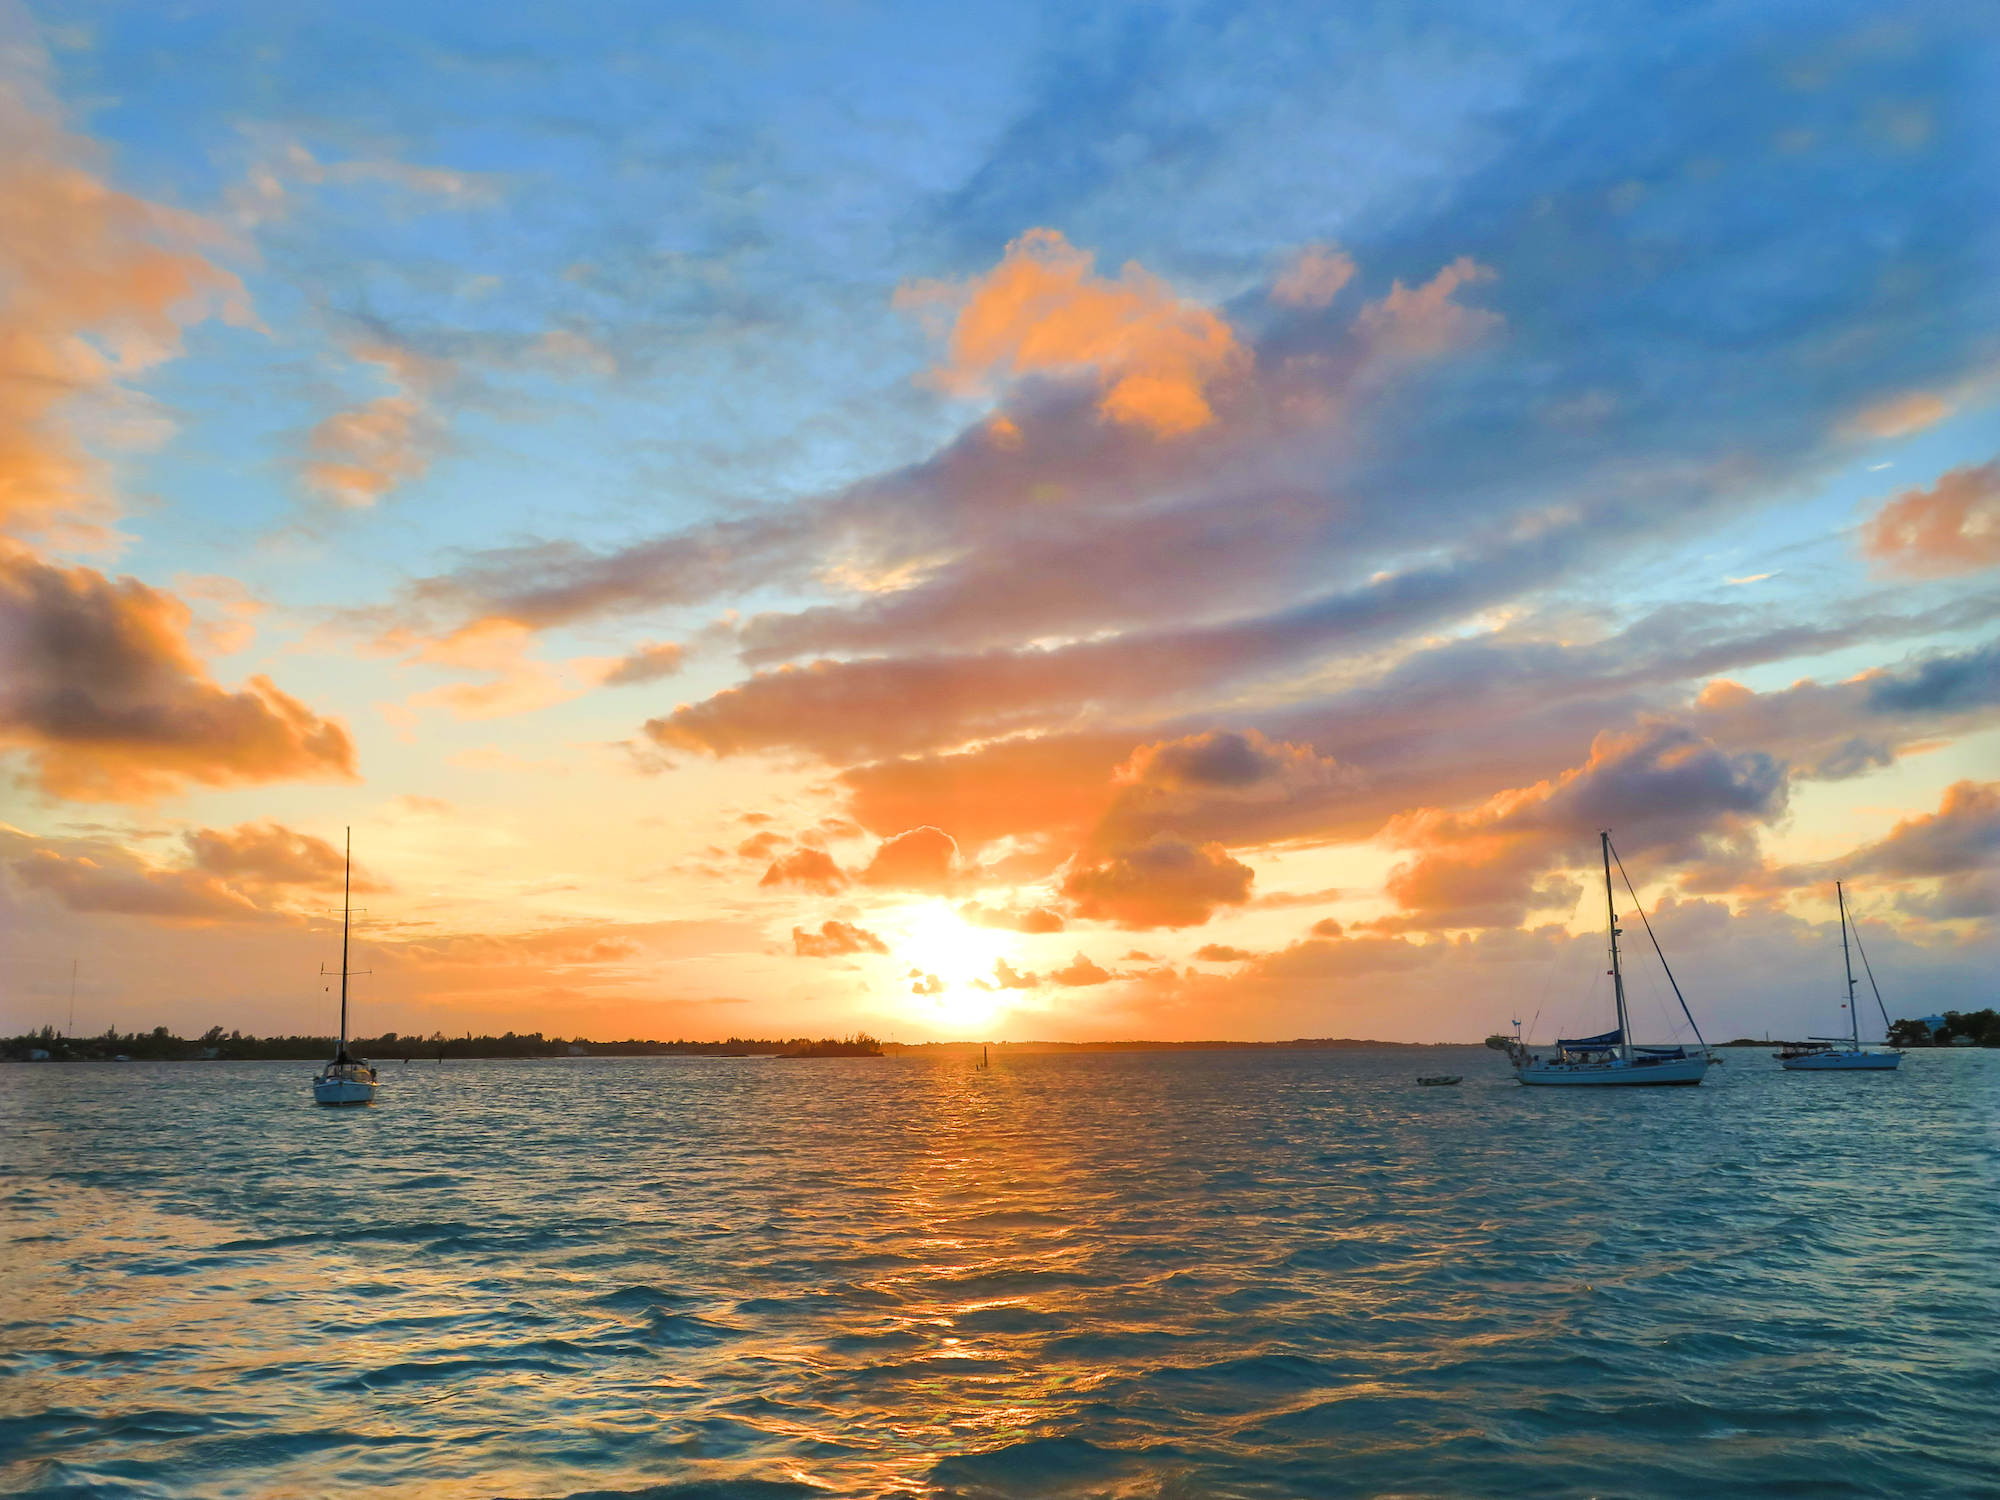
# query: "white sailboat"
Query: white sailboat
{"points": [[1610, 1059], [347, 1079], [1826, 1054]]}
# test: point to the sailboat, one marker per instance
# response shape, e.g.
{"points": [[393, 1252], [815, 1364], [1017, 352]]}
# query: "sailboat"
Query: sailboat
{"points": [[1610, 1058], [1826, 1054], [347, 1079]]}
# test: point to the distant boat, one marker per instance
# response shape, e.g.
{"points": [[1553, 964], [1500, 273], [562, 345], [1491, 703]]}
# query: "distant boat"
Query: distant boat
{"points": [[1610, 1058], [347, 1079], [1441, 1080], [1825, 1054]]}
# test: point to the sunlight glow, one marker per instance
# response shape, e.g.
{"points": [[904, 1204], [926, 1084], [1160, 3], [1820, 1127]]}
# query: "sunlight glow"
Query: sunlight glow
{"points": [[934, 942]]}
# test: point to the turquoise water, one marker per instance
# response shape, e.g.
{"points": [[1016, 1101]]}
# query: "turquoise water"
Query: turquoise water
{"points": [[1185, 1275]]}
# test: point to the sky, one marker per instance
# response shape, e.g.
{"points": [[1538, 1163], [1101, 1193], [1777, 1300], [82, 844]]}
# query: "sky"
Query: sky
{"points": [[1032, 522]]}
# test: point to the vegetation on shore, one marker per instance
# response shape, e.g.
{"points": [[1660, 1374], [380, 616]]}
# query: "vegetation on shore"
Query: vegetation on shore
{"points": [[1297, 1044], [1980, 1027], [162, 1045]]}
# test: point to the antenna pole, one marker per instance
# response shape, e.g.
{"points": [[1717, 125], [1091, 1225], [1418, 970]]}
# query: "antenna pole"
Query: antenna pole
{"points": [[1853, 1015], [1617, 976], [346, 896]]}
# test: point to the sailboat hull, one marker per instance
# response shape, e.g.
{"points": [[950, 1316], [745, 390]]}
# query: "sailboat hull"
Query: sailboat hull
{"points": [[338, 1091], [1842, 1062], [1618, 1073]]}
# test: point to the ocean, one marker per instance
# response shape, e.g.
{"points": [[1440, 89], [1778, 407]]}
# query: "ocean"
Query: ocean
{"points": [[1216, 1274]]}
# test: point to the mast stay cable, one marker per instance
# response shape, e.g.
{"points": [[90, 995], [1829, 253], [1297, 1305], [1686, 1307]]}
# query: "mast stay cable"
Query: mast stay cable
{"points": [[1870, 972], [1657, 949]]}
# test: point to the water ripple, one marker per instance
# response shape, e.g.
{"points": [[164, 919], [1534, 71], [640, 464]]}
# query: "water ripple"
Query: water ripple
{"points": [[1196, 1275]]}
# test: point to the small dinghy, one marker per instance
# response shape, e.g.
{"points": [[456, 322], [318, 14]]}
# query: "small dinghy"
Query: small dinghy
{"points": [[1441, 1080]]}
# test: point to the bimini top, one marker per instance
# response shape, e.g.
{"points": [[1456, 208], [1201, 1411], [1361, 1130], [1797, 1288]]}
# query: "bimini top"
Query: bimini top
{"points": [[1593, 1043]]}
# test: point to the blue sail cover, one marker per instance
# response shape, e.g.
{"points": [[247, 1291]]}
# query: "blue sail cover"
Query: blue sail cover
{"points": [[1588, 1043]]}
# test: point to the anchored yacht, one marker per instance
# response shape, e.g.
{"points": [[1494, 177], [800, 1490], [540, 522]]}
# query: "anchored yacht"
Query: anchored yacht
{"points": [[346, 1079], [1610, 1058], [1828, 1054]]}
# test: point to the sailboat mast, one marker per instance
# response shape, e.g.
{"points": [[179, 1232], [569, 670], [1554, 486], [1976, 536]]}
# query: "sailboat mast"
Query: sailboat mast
{"points": [[1853, 1015], [1617, 975], [346, 897]]}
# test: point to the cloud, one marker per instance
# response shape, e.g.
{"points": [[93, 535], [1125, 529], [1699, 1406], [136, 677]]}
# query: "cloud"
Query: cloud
{"points": [[835, 939], [1670, 796], [1952, 527], [1313, 277], [1941, 683], [95, 287], [648, 662], [357, 456], [1167, 882], [1041, 311], [1079, 972], [1011, 787], [1959, 845], [922, 859], [1231, 785], [1035, 919], [1424, 321], [812, 868], [1901, 415], [84, 884], [516, 683], [244, 874], [268, 854], [97, 681], [99, 688], [1222, 953]]}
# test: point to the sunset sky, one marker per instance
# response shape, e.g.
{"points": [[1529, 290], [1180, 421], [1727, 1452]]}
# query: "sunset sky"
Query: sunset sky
{"points": [[995, 522]]}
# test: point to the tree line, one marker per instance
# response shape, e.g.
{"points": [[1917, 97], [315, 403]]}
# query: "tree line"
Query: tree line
{"points": [[163, 1045], [1981, 1027]]}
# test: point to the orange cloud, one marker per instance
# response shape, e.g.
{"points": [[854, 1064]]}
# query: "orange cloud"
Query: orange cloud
{"points": [[648, 662], [89, 885], [1236, 786], [1034, 919], [1011, 787], [812, 868], [1078, 972], [245, 874], [923, 859], [835, 939], [95, 286], [359, 455], [518, 683], [1165, 883], [1901, 415], [110, 705], [1664, 789], [1314, 277], [1041, 311], [1952, 527], [1419, 322], [269, 854]]}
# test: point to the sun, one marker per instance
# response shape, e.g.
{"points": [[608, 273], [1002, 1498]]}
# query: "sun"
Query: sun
{"points": [[933, 939]]}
